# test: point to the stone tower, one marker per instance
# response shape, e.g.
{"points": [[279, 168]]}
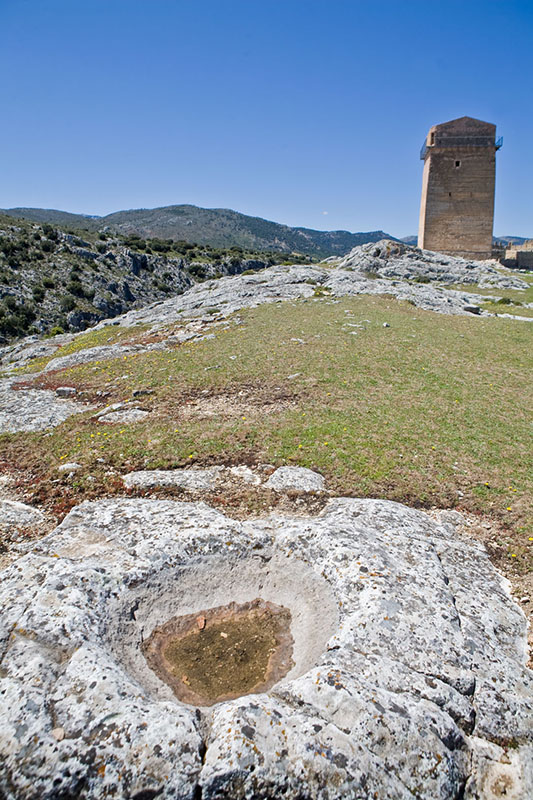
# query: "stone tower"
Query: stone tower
{"points": [[457, 207]]}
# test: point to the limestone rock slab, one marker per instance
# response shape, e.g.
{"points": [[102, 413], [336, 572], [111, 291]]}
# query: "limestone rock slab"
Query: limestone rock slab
{"points": [[409, 677], [123, 416], [33, 409], [298, 478], [192, 479], [14, 514]]}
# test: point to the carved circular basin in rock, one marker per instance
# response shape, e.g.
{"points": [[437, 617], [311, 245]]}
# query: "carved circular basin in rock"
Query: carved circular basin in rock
{"points": [[408, 676], [150, 612]]}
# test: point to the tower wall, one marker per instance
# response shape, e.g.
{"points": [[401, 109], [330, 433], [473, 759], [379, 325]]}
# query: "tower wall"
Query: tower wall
{"points": [[457, 208]]}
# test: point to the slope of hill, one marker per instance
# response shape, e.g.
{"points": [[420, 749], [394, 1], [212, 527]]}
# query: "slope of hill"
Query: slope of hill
{"points": [[53, 279], [54, 217], [216, 227]]}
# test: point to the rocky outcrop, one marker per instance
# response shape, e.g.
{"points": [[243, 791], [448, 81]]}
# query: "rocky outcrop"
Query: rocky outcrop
{"points": [[408, 676], [33, 409], [289, 283], [396, 260]]}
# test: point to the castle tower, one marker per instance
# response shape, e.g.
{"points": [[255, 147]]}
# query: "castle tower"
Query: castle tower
{"points": [[457, 207]]}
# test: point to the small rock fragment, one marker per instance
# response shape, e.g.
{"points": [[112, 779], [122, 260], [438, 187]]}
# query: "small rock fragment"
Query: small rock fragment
{"points": [[58, 734], [66, 391], [70, 466], [127, 415], [299, 478]]}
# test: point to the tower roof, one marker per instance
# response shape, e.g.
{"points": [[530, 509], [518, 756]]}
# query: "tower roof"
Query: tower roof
{"points": [[463, 125]]}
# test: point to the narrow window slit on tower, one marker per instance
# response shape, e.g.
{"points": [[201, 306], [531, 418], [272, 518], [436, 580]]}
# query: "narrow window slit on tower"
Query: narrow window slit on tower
{"points": [[457, 164]]}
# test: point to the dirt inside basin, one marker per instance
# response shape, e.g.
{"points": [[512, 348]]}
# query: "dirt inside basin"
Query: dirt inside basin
{"points": [[224, 652]]}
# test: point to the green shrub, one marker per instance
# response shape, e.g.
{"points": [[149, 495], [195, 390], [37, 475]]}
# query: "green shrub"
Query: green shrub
{"points": [[75, 288], [55, 331], [50, 232], [48, 283], [15, 318], [197, 270], [159, 246], [67, 303]]}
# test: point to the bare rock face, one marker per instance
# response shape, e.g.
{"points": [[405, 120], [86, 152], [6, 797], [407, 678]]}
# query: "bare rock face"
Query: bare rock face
{"points": [[407, 671], [33, 409]]}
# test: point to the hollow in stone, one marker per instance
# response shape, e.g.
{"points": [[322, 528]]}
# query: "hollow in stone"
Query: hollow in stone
{"points": [[223, 652]]}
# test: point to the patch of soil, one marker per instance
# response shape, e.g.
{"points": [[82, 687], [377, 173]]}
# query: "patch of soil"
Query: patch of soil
{"points": [[240, 501], [235, 401], [222, 653]]}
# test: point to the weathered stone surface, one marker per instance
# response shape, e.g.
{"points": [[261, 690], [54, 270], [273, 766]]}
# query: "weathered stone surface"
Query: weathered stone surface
{"points": [[409, 677], [123, 415], [245, 474], [363, 271], [66, 391], [33, 409], [193, 479], [100, 353], [14, 514], [69, 466], [18, 521], [299, 478], [389, 259]]}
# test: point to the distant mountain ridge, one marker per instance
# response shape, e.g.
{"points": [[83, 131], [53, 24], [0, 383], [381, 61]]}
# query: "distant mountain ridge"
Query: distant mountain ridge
{"points": [[413, 240], [216, 227]]}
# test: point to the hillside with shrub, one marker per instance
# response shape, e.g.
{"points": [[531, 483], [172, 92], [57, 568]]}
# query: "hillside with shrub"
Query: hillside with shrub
{"points": [[56, 279]]}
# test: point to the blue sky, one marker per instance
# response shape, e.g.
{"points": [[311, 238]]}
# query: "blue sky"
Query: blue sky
{"points": [[308, 112]]}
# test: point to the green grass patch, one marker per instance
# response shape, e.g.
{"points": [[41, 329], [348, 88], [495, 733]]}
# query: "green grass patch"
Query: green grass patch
{"points": [[92, 338]]}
